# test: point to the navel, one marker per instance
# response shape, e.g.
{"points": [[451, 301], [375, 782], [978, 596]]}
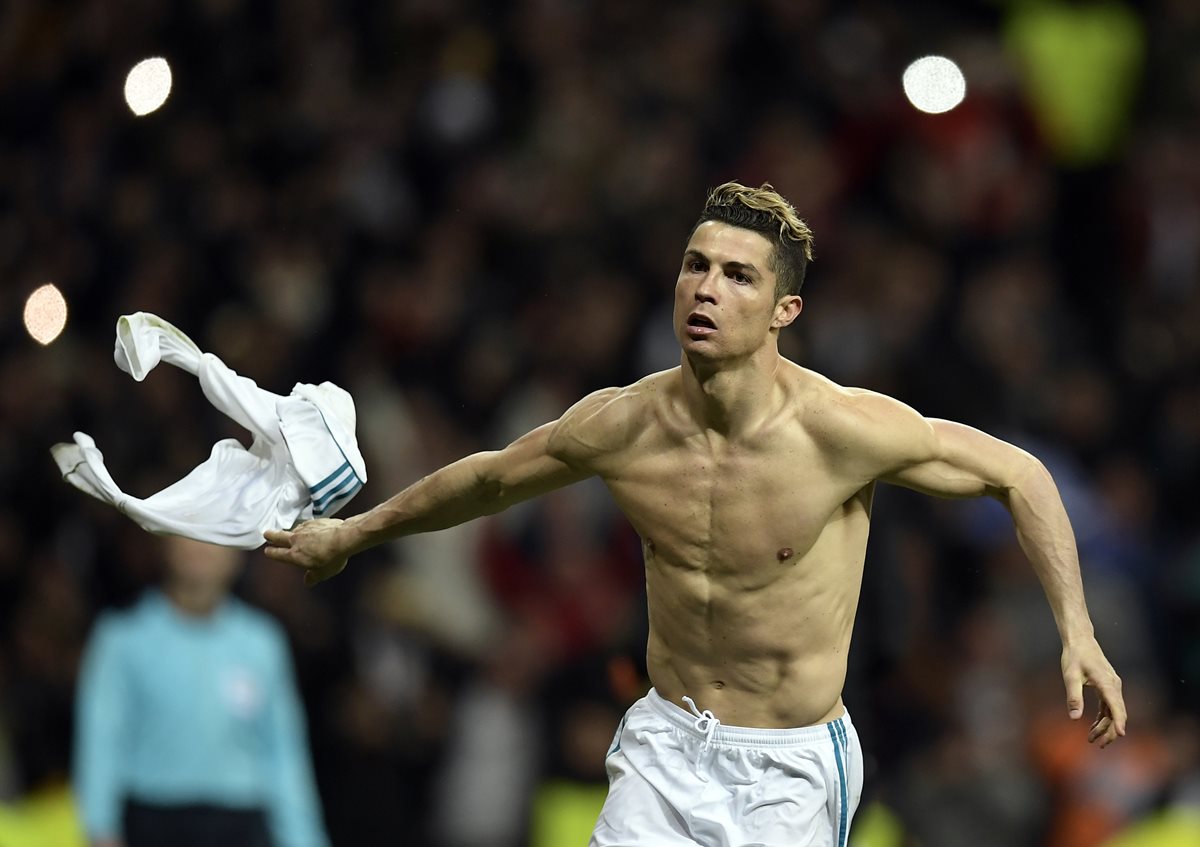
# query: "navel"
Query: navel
{"points": [[718, 684], [784, 554]]}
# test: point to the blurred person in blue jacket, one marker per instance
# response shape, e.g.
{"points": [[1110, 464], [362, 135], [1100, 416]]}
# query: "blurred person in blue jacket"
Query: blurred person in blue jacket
{"points": [[189, 728]]}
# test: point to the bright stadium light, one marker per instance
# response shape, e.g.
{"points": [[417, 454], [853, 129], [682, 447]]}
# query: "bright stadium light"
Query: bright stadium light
{"points": [[45, 314], [147, 86], [934, 84]]}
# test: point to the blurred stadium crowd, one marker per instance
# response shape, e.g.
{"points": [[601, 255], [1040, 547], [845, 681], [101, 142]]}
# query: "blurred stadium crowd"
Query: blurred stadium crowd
{"points": [[469, 214]]}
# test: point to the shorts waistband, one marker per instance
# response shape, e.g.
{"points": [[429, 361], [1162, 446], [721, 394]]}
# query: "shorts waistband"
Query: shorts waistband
{"points": [[746, 736]]}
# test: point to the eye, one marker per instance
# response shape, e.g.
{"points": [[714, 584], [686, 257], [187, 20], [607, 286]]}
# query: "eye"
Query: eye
{"points": [[696, 266], [740, 278]]}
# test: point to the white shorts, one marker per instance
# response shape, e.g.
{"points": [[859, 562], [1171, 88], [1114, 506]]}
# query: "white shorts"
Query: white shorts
{"points": [[681, 778]]}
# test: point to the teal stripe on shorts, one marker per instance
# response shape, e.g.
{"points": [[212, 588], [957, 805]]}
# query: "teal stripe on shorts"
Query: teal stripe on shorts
{"points": [[837, 735]]}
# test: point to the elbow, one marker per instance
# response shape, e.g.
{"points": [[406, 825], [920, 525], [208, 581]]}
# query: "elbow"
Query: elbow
{"points": [[493, 495], [489, 482], [1032, 470], [1026, 477]]}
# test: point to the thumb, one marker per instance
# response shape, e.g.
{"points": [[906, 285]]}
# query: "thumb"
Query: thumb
{"points": [[1074, 682]]}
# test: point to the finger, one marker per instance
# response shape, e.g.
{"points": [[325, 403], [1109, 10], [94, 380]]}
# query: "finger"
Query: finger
{"points": [[1113, 703], [1074, 682], [279, 554], [1117, 707], [278, 537], [1099, 728]]}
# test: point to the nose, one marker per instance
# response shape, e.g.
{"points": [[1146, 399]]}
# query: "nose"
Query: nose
{"points": [[706, 288]]}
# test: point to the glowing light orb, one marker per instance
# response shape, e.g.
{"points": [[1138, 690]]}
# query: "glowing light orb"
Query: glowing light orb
{"points": [[147, 86], [45, 314], [934, 84]]}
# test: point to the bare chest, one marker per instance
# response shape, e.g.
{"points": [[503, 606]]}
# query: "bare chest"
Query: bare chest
{"points": [[730, 509]]}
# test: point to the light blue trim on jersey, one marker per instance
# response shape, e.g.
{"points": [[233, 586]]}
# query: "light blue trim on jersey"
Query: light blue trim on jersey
{"points": [[338, 445], [324, 488], [346, 479], [616, 745], [339, 495], [313, 489]]}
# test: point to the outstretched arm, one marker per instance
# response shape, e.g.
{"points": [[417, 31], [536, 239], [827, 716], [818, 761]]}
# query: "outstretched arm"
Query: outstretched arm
{"points": [[948, 459], [479, 484]]}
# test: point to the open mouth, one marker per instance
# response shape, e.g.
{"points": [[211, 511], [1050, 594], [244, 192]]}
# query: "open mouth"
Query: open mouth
{"points": [[699, 321]]}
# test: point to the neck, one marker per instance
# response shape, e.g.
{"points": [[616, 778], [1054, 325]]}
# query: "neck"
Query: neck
{"points": [[198, 601], [731, 397]]}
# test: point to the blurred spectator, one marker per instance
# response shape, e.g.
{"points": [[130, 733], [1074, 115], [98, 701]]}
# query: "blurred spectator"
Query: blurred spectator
{"points": [[1082, 61], [190, 731]]}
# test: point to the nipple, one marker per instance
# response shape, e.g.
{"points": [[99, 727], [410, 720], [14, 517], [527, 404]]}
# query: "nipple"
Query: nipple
{"points": [[650, 547], [784, 554]]}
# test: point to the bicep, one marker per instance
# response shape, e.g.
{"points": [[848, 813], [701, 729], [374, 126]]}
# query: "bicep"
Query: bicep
{"points": [[528, 467], [557, 453], [961, 461]]}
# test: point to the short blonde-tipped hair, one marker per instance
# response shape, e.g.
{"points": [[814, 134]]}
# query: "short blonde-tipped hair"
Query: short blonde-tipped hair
{"points": [[765, 211]]}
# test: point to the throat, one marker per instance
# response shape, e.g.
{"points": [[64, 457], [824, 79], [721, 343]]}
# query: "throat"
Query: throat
{"points": [[731, 398]]}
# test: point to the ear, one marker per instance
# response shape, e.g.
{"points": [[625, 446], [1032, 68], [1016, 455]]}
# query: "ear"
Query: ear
{"points": [[787, 310]]}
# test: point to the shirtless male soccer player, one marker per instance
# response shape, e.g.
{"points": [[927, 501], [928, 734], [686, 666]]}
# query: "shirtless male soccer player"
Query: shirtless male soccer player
{"points": [[749, 480]]}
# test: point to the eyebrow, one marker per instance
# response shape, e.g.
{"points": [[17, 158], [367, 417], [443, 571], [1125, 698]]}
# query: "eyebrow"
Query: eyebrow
{"points": [[730, 265]]}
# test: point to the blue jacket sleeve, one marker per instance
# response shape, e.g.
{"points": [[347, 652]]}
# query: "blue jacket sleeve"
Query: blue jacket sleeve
{"points": [[294, 811], [101, 719]]}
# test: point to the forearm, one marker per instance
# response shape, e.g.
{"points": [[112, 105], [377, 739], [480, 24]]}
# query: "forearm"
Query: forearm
{"points": [[450, 496], [1044, 533], [952, 460], [481, 484]]}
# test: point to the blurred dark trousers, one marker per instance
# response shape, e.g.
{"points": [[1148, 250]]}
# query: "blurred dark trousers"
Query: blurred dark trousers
{"points": [[194, 826]]}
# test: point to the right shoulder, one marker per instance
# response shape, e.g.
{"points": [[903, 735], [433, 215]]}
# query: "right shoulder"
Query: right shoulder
{"points": [[255, 625], [610, 420]]}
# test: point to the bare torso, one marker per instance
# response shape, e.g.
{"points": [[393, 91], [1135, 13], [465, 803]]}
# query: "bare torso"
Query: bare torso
{"points": [[750, 481], [754, 550]]}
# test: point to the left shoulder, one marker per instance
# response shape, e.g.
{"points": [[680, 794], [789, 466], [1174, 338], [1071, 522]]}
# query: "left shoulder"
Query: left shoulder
{"points": [[857, 424], [253, 623], [875, 410]]}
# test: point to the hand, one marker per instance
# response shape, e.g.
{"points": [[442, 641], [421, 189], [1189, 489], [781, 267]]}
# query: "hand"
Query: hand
{"points": [[1084, 664], [313, 545]]}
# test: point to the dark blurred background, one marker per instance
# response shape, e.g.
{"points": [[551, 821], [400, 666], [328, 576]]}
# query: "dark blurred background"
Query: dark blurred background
{"points": [[469, 214]]}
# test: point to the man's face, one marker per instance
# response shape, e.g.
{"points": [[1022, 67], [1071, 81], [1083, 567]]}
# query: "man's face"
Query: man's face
{"points": [[725, 304], [201, 566]]}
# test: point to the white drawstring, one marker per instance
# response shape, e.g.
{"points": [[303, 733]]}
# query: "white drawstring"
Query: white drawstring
{"points": [[706, 722]]}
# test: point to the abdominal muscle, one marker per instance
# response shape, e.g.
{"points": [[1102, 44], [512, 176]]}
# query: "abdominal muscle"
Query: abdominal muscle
{"points": [[754, 551], [769, 655]]}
